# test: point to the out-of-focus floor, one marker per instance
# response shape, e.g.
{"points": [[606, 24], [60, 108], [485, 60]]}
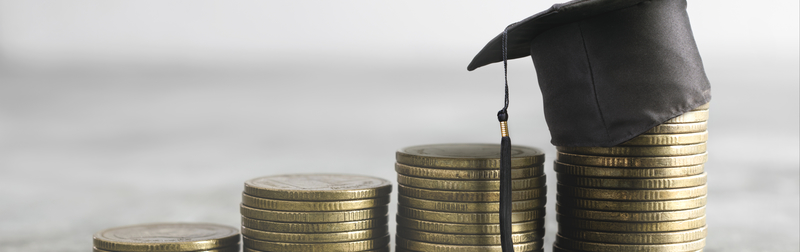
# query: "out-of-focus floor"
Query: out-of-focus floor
{"points": [[88, 147]]}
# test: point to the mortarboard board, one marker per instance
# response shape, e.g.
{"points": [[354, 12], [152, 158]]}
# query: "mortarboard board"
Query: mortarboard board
{"points": [[608, 70]]}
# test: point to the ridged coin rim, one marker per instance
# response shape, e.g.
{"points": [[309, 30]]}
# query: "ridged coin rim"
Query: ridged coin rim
{"points": [[469, 207], [521, 156]]}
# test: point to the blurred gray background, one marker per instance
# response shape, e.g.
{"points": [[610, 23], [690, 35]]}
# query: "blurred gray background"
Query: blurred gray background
{"points": [[123, 112]]}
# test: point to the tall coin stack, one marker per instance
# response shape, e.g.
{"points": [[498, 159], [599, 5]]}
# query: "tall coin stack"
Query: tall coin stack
{"points": [[168, 237], [316, 212], [647, 194], [449, 197]]}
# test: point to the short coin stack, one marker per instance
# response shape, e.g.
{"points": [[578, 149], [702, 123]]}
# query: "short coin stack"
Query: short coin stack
{"points": [[449, 196], [168, 237], [316, 212], [647, 194]]}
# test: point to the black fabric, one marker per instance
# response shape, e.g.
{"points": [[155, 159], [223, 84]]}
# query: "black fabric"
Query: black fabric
{"points": [[506, 243], [608, 77]]}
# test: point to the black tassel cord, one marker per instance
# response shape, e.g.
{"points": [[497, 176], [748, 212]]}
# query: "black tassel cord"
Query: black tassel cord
{"points": [[506, 243]]}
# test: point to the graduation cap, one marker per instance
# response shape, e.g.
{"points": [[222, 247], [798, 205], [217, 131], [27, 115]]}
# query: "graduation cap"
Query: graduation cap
{"points": [[609, 70]]}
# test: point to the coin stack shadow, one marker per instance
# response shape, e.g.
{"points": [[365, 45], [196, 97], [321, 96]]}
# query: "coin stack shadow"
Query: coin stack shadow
{"points": [[448, 198], [168, 237], [647, 194], [285, 213]]}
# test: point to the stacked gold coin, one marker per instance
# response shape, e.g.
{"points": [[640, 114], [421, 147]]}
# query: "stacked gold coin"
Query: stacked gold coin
{"points": [[315, 212], [449, 196], [168, 237], [647, 194]]}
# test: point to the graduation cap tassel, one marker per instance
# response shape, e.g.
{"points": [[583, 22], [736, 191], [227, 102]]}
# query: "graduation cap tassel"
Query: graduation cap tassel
{"points": [[506, 243]]}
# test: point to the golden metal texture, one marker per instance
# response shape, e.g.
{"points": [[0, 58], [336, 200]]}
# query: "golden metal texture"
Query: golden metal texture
{"points": [[318, 187], [690, 117], [633, 162], [234, 248], [468, 218], [559, 249], [313, 206], [634, 238], [470, 185], [467, 174], [641, 227], [632, 206], [357, 235], [632, 194], [632, 216], [469, 196], [635, 151], [462, 239], [702, 107], [592, 171], [503, 128], [573, 244], [316, 247], [384, 249], [166, 237], [630, 183], [427, 246], [467, 156], [458, 228], [335, 227], [469, 207], [342, 216], [667, 139], [677, 128]]}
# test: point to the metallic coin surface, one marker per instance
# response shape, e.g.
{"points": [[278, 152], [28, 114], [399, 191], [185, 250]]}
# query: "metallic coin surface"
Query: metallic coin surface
{"points": [[632, 194], [632, 206], [702, 107], [667, 139], [318, 187], [427, 246], [467, 218], [690, 117], [611, 226], [469, 207], [573, 244], [467, 174], [313, 206], [470, 185], [467, 239], [234, 248], [384, 249], [556, 248], [289, 227], [469, 196], [458, 228], [316, 247], [634, 238], [631, 216], [635, 151], [635, 162], [592, 171], [677, 128], [167, 237], [357, 235], [340, 216], [467, 156], [628, 183]]}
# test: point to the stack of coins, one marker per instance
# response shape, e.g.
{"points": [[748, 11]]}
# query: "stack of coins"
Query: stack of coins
{"points": [[647, 194], [168, 237], [316, 212], [449, 198]]}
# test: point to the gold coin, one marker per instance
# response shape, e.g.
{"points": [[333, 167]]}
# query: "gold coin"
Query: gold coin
{"points": [[469, 196], [470, 239], [556, 248], [357, 235], [467, 156], [316, 247], [167, 237], [427, 246], [702, 107], [668, 139], [628, 194], [234, 248], [384, 249], [591, 171], [467, 218], [459, 228], [469, 207], [470, 174], [313, 206], [612, 226], [342, 216], [690, 117], [318, 187], [635, 151], [648, 183], [470, 185], [633, 162], [634, 238], [632, 206], [632, 216], [677, 128], [290, 227], [573, 244]]}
